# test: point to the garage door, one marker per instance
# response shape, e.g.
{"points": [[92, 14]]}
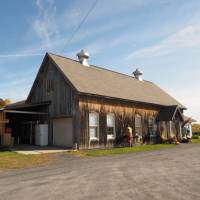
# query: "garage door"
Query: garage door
{"points": [[62, 132]]}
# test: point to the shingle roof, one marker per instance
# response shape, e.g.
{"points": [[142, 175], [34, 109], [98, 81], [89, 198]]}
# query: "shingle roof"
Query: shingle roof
{"points": [[99, 81]]}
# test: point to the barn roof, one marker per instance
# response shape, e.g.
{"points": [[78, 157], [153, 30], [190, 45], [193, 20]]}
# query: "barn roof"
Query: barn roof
{"points": [[100, 81]]}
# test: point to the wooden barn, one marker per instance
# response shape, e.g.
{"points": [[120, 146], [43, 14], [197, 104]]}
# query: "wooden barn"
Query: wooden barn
{"points": [[86, 106]]}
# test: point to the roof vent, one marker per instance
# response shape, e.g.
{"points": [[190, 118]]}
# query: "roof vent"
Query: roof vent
{"points": [[83, 57], [138, 74]]}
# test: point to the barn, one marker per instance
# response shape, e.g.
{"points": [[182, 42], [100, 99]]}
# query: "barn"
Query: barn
{"points": [[85, 106]]}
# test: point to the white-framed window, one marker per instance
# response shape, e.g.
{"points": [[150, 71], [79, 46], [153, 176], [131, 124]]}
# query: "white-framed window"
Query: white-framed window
{"points": [[94, 126], [152, 126], [138, 125], [110, 122]]}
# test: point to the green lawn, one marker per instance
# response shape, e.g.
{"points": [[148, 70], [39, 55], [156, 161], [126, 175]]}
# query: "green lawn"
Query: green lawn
{"points": [[12, 160], [196, 140], [123, 150]]}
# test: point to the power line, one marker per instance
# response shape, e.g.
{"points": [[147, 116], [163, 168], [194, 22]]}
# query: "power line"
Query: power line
{"points": [[80, 24]]}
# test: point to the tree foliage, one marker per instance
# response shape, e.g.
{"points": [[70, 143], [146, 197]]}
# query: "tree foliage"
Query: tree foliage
{"points": [[4, 102], [196, 128]]}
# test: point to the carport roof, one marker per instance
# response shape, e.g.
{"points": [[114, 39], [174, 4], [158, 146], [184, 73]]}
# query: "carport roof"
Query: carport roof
{"points": [[15, 105], [22, 104]]}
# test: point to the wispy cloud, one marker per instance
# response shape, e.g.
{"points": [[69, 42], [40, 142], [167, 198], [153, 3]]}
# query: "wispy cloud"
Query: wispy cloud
{"points": [[188, 37], [45, 25], [52, 28], [52, 31]]}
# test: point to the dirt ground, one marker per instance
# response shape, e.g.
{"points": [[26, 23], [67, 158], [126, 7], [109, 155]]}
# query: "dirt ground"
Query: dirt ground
{"points": [[165, 174]]}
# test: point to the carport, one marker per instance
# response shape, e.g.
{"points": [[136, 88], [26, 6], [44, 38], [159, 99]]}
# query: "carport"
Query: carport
{"points": [[17, 122]]}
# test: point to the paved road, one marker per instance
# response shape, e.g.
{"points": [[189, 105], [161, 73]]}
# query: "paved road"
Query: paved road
{"points": [[167, 174]]}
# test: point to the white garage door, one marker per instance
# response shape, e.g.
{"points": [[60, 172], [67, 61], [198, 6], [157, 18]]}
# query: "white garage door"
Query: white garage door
{"points": [[62, 132]]}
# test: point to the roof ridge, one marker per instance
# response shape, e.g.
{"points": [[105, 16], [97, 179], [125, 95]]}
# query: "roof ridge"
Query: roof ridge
{"points": [[98, 67], [62, 56]]}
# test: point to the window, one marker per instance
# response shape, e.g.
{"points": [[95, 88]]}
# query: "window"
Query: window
{"points": [[50, 82], [93, 126], [138, 125], [49, 86], [110, 119], [152, 126]]}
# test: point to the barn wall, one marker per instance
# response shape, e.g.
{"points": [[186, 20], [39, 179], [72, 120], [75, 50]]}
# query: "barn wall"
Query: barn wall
{"points": [[124, 117], [51, 86]]}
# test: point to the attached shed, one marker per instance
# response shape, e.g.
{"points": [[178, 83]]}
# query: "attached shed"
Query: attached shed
{"points": [[170, 120]]}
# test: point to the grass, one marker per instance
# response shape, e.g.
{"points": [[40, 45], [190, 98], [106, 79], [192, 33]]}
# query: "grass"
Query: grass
{"points": [[12, 160], [196, 140], [123, 150], [195, 137]]}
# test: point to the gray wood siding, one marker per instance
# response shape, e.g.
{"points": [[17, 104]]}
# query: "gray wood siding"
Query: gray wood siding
{"points": [[60, 97], [124, 116]]}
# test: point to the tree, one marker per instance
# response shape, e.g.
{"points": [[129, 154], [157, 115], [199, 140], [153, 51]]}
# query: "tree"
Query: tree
{"points": [[7, 101], [4, 102], [196, 128], [1, 103]]}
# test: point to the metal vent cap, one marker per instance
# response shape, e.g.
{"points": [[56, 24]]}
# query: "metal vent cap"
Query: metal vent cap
{"points": [[83, 57], [138, 74]]}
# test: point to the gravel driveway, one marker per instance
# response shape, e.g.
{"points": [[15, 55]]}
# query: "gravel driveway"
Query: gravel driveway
{"points": [[166, 174]]}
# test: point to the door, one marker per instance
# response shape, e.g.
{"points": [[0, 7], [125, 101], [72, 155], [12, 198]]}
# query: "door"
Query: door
{"points": [[62, 132]]}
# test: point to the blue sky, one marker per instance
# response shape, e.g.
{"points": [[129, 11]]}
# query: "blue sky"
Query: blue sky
{"points": [[161, 37]]}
